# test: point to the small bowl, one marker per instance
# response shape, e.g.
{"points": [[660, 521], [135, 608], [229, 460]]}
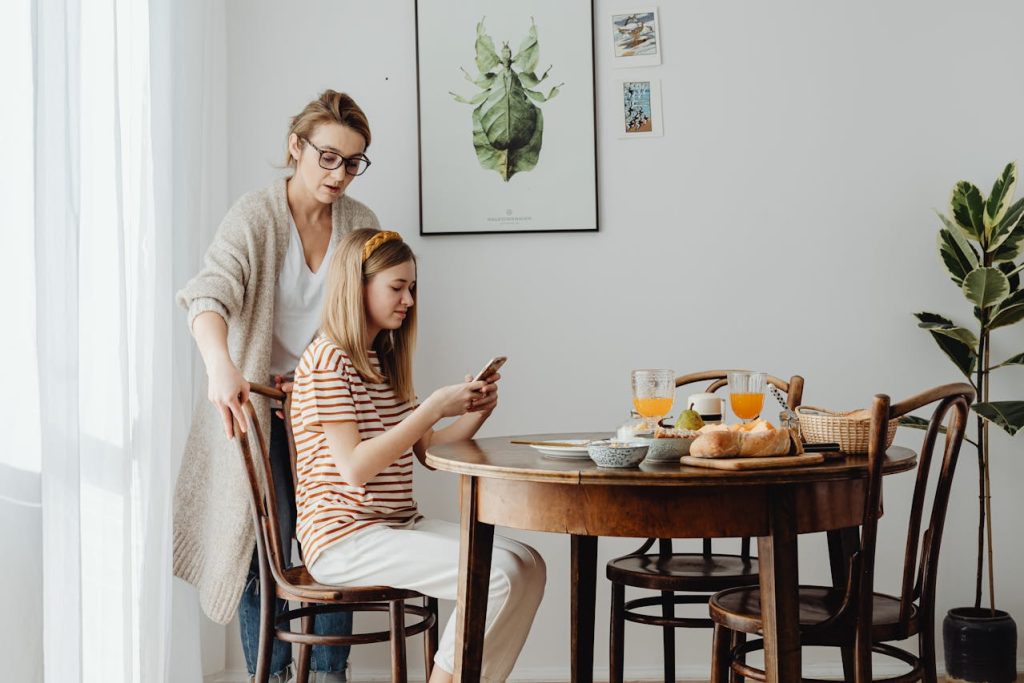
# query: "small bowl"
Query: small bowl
{"points": [[617, 454], [667, 449]]}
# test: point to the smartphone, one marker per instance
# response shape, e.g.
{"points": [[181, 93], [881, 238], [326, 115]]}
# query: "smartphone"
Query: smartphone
{"points": [[492, 367]]}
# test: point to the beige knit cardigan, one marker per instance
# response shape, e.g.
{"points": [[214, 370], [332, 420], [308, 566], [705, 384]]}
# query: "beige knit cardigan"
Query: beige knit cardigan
{"points": [[213, 531]]}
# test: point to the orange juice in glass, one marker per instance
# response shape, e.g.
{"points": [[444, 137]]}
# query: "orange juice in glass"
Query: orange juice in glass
{"points": [[653, 392], [746, 394], [652, 407]]}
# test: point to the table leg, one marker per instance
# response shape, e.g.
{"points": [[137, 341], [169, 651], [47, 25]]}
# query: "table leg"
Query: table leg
{"points": [[475, 547], [842, 544], [777, 555], [583, 583]]}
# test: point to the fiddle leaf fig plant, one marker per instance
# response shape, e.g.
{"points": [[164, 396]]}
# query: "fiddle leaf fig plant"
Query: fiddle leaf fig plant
{"points": [[979, 242]]}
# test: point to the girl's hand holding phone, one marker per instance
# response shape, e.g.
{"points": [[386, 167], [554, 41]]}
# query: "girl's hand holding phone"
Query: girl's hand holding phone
{"points": [[458, 399]]}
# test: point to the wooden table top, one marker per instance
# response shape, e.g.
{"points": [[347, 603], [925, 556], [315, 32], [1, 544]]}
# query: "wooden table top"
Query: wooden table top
{"points": [[497, 457]]}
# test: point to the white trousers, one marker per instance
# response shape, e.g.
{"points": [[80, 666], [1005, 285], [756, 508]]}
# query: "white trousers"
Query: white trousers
{"points": [[425, 558]]}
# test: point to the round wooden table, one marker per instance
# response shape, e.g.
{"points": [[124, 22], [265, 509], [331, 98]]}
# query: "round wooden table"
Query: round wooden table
{"points": [[513, 485]]}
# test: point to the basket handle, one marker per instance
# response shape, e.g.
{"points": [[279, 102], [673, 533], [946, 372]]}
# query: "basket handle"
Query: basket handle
{"points": [[824, 411]]}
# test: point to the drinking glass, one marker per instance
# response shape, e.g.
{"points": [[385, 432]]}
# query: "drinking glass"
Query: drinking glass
{"points": [[653, 392], [746, 394]]}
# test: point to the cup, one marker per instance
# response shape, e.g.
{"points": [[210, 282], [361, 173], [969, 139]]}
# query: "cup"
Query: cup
{"points": [[710, 407], [746, 394], [653, 392]]}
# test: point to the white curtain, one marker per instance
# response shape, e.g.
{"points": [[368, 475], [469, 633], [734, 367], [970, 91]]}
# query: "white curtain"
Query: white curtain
{"points": [[112, 176], [103, 307]]}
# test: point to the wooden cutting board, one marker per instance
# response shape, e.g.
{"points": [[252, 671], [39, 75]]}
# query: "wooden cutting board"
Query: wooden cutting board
{"points": [[754, 463]]}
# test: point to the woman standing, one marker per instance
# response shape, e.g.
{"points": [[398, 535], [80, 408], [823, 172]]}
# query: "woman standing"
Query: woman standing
{"points": [[253, 309]]}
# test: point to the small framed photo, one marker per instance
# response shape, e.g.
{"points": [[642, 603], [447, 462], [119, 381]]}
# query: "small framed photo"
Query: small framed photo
{"points": [[640, 108], [636, 38]]}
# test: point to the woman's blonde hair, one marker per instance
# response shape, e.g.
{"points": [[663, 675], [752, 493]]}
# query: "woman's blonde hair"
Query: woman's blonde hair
{"points": [[344, 316], [331, 107]]}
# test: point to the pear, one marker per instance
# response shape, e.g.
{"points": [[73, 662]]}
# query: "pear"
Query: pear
{"points": [[689, 419]]}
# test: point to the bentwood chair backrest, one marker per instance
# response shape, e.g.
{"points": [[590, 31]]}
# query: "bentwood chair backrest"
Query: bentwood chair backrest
{"points": [[255, 453], [794, 388], [952, 404]]}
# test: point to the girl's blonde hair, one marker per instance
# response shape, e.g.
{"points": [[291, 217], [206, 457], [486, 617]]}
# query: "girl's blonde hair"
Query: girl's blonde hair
{"points": [[344, 316], [331, 107]]}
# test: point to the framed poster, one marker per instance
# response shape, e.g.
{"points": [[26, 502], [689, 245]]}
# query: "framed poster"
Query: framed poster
{"points": [[506, 116], [636, 38]]}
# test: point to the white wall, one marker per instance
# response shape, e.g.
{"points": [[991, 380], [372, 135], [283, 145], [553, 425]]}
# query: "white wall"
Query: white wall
{"points": [[783, 222]]}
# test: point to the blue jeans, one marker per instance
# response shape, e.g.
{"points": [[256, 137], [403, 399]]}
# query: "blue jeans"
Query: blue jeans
{"points": [[324, 658]]}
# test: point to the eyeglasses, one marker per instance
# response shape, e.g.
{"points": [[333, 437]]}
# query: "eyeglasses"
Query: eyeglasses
{"points": [[329, 161]]}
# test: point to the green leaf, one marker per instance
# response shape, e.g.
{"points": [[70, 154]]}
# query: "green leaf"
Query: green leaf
{"points": [[507, 117], [998, 200], [1009, 312], [507, 162], [1007, 226], [531, 80], [986, 287], [962, 354], [939, 325], [529, 51], [929, 320], [483, 82], [486, 57], [958, 333], [541, 97], [957, 253], [1007, 414], [1011, 247], [1012, 274], [915, 422], [1012, 360], [969, 209]]}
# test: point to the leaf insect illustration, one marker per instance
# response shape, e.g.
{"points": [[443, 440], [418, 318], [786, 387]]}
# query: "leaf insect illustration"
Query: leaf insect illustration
{"points": [[508, 127]]}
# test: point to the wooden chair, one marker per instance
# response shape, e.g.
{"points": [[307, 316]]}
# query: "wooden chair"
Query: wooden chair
{"points": [[696, 575], [854, 617], [295, 583]]}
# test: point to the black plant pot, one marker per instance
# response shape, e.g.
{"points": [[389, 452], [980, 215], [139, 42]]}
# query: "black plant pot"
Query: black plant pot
{"points": [[980, 647]]}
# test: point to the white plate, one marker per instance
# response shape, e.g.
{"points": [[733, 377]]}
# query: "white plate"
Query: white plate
{"points": [[578, 451]]}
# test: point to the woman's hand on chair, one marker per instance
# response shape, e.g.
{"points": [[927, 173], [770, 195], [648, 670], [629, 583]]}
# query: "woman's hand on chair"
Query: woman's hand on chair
{"points": [[228, 391], [282, 383]]}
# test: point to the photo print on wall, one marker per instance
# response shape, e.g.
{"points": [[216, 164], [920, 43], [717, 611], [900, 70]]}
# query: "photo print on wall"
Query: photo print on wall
{"points": [[636, 38], [641, 109]]}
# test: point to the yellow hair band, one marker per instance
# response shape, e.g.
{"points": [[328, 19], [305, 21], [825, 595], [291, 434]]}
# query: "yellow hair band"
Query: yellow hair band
{"points": [[380, 238]]}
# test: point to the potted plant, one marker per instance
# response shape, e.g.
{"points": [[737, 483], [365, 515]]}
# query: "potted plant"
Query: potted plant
{"points": [[980, 242]]}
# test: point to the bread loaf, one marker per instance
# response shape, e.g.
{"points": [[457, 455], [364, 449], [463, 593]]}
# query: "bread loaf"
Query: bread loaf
{"points": [[731, 443]]}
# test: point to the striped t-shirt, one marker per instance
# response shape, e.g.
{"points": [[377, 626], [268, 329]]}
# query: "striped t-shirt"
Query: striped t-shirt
{"points": [[328, 389]]}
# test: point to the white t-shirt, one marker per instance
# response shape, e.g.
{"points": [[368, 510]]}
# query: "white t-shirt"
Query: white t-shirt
{"points": [[298, 304]]}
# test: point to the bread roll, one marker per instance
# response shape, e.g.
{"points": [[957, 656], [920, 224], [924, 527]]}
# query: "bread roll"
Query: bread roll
{"points": [[731, 444]]}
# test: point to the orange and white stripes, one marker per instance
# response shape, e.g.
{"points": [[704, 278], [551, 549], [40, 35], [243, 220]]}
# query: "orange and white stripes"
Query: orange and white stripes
{"points": [[328, 389]]}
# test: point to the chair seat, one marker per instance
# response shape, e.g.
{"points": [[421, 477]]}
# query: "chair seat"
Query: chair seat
{"points": [[739, 609], [684, 571], [300, 586]]}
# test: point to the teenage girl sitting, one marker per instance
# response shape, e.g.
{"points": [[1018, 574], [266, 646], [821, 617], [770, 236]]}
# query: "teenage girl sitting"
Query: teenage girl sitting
{"points": [[357, 425]]}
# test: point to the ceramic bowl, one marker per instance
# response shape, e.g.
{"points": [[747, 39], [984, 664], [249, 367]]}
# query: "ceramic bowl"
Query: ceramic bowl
{"points": [[617, 453], [666, 450]]}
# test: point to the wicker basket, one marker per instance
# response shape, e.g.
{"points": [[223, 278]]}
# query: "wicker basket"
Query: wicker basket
{"points": [[828, 426]]}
